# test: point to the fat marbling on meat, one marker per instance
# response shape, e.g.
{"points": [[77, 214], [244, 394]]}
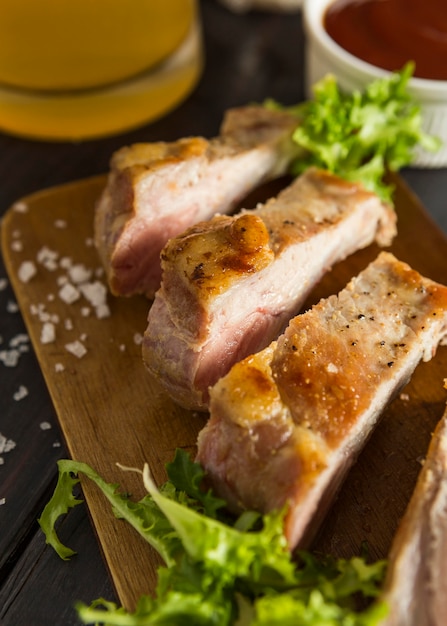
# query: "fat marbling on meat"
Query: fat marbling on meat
{"points": [[156, 190], [287, 423], [415, 587], [230, 285]]}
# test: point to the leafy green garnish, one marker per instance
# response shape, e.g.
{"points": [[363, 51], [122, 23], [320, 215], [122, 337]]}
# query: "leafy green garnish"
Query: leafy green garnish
{"points": [[361, 135], [145, 516], [188, 477], [218, 573]]}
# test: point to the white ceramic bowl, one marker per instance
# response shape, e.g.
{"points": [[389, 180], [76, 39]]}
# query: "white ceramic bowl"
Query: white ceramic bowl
{"points": [[324, 55]]}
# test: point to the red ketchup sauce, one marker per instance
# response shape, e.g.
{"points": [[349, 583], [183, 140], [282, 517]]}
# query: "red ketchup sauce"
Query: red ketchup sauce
{"points": [[389, 33]]}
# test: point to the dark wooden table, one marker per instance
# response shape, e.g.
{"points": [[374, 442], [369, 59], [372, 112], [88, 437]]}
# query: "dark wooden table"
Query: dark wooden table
{"points": [[248, 57]]}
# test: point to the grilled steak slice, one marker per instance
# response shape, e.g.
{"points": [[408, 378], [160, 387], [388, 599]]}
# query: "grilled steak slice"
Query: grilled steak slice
{"points": [[287, 424], [155, 191], [231, 285], [416, 584]]}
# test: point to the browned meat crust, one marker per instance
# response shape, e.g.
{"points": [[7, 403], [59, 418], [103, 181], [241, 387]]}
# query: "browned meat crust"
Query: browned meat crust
{"points": [[230, 285], [287, 423], [157, 190]]}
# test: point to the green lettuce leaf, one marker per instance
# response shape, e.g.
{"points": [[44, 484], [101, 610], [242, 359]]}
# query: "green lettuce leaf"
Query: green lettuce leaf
{"points": [[188, 478], [145, 516], [62, 501], [361, 135], [289, 610], [217, 573]]}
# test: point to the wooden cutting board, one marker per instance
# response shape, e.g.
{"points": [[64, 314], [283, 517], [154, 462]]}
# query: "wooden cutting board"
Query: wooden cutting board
{"points": [[110, 409]]}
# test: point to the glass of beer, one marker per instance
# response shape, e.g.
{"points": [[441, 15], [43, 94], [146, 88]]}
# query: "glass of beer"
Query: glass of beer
{"points": [[83, 69]]}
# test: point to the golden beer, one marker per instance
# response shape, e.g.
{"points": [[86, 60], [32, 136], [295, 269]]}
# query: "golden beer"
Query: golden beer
{"points": [[75, 69]]}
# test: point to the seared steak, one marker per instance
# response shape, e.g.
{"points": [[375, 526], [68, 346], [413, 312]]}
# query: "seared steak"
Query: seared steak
{"points": [[230, 285], [416, 583], [287, 423], [156, 190]]}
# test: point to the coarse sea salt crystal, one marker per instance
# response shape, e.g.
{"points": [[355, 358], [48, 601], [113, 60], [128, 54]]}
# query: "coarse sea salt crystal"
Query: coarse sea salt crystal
{"points": [[138, 339], [77, 348], [40, 312], [45, 426], [48, 333], [44, 316], [12, 306], [45, 253], [50, 265], [59, 367], [60, 223], [6, 445], [102, 311], [27, 270], [16, 246], [69, 294], [48, 258], [9, 358], [21, 393], [65, 262], [17, 345], [79, 273], [20, 207], [94, 292], [19, 339], [3, 283]]}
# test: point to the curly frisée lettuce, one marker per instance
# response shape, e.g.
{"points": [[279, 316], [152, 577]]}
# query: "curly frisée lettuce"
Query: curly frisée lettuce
{"points": [[361, 135], [219, 570]]}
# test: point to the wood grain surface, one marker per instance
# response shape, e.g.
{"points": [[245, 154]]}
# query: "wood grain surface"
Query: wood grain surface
{"points": [[110, 409]]}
